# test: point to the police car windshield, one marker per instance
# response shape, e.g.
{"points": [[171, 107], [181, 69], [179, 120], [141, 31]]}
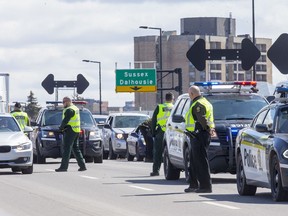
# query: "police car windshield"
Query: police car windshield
{"points": [[54, 117], [236, 107], [128, 121]]}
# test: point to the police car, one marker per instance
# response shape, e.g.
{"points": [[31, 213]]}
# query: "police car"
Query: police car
{"points": [[234, 106], [262, 151], [47, 139]]}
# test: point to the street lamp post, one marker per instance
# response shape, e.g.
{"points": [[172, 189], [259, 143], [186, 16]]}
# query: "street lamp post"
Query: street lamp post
{"points": [[100, 95], [253, 36], [160, 55]]}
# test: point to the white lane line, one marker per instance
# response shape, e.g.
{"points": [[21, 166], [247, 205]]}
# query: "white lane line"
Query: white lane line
{"points": [[222, 205], [88, 177], [50, 170], [142, 188]]}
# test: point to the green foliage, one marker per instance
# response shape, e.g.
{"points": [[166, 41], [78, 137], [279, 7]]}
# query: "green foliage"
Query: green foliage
{"points": [[32, 107]]}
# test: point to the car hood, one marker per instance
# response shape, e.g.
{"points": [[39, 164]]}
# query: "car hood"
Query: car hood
{"points": [[123, 130], [51, 128], [13, 138]]}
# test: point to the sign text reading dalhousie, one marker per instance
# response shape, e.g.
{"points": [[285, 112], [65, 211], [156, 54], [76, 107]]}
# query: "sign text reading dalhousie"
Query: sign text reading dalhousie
{"points": [[136, 80]]}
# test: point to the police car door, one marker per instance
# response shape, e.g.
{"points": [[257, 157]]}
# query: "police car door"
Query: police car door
{"points": [[254, 146], [175, 129]]}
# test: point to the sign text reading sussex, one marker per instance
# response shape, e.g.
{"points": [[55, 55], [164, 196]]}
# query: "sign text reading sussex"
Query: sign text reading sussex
{"points": [[136, 80]]}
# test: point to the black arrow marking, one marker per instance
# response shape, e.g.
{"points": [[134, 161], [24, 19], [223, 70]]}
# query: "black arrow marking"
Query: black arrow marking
{"points": [[198, 54], [278, 53], [49, 84], [136, 88]]}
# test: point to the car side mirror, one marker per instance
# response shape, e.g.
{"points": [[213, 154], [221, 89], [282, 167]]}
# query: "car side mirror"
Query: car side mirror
{"points": [[262, 128], [27, 129], [178, 118], [107, 126], [134, 134], [270, 98]]}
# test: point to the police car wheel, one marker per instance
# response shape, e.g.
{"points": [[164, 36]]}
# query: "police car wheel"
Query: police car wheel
{"points": [[242, 187], [138, 156], [112, 155], [170, 172], [187, 164], [277, 190]]}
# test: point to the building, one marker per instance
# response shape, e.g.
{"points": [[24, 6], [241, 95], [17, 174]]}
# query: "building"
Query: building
{"points": [[218, 33]]}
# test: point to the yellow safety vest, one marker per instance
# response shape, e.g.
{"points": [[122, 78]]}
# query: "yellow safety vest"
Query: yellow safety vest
{"points": [[189, 120], [22, 118], [163, 114], [74, 122]]}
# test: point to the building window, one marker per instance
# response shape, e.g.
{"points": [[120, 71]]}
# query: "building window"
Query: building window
{"points": [[261, 47], [202, 76], [215, 66], [215, 76], [261, 77], [262, 58], [215, 45], [261, 67], [239, 77]]}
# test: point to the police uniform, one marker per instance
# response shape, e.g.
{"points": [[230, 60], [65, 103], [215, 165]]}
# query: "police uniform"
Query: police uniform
{"points": [[22, 118], [159, 119], [199, 121], [71, 129]]}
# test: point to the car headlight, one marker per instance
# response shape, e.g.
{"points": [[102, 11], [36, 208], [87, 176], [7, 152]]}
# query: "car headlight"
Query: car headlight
{"points": [[48, 134], [23, 146], [94, 135], [285, 153], [119, 136]]}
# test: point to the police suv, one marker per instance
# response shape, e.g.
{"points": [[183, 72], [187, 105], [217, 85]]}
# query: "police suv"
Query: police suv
{"points": [[234, 106], [47, 139], [262, 150]]}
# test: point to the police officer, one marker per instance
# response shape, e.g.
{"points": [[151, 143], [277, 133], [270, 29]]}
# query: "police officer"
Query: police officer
{"points": [[21, 116], [70, 127], [200, 124], [159, 119]]}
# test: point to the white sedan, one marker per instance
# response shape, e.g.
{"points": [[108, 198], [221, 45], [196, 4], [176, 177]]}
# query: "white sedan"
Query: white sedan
{"points": [[15, 147]]}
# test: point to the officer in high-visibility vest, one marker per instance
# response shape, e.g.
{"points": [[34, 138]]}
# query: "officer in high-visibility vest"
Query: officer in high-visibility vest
{"points": [[200, 125], [21, 116], [159, 119], [70, 126]]}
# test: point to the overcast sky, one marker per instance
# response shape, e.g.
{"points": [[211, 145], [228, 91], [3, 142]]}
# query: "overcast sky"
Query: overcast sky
{"points": [[41, 37]]}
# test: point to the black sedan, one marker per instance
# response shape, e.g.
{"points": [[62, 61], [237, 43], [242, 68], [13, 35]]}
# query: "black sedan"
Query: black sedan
{"points": [[262, 152]]}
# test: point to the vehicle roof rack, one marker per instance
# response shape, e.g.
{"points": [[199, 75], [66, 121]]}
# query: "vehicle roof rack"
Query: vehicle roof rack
{"points": [[227, 87]]}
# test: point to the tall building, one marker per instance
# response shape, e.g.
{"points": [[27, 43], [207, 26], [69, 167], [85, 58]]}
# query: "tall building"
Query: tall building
{"points": [[218, 33]]}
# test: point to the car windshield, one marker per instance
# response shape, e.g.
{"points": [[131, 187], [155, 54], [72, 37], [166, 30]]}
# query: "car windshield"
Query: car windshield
{"points": [[54, 117], [8, 124], [232, 107], [129, 121]]}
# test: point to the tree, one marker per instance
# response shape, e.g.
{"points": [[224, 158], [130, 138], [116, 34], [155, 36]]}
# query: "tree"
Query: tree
{"points": [[32, 107]]}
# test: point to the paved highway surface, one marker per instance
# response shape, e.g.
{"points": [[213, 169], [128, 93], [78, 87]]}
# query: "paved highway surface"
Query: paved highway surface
{"points": [[122, 188]]}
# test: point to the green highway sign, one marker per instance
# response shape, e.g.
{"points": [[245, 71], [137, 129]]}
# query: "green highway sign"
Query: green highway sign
{"points": [[136, 80]]}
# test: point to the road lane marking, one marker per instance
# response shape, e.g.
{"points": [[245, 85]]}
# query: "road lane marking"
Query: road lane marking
{"points": [[142, 188], [88, 177], [50, 170], [222, 205]]}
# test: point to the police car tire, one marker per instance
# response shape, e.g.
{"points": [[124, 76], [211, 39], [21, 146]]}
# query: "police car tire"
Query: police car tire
{"points": [[170, 172], [138, 156], [112, 155], [129, 156], [187, 164], [28, 170], [243, 188], [277, 190]]}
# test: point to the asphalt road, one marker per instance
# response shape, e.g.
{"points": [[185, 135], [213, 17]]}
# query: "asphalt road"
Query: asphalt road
{"points": [[122, 188]]}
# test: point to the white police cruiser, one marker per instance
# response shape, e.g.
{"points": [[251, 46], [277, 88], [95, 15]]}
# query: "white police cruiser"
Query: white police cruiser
{"points": [[234, 107]]}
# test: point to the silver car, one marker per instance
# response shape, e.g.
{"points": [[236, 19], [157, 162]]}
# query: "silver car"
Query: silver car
{"points": [[15, 146], [116, 130]]}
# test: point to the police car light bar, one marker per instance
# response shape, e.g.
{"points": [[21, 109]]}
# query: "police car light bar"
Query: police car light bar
{"points": [[53, 102], [80, 102], [240, 83]]}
